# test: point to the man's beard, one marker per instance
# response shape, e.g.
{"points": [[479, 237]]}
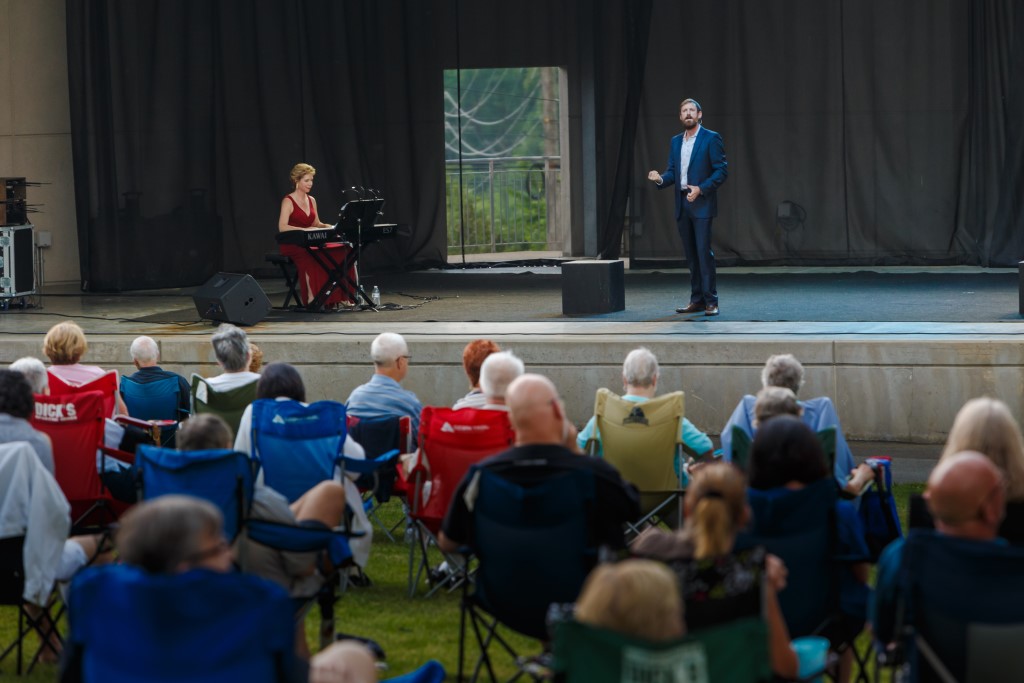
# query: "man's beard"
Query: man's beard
{"points": [[690, 124]]}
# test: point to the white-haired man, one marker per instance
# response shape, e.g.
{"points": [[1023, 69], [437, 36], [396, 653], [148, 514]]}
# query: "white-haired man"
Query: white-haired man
{"points": [[146, 358], [497, 372], [784, 370], [383, 395], [640, 383]]}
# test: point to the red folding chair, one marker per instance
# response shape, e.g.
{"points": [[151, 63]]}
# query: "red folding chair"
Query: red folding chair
{"points": [[105, 383], [75, 424], [450, 442]]}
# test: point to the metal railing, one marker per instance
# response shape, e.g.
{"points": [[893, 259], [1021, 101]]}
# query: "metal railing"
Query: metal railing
{"points": [[508, 204]]}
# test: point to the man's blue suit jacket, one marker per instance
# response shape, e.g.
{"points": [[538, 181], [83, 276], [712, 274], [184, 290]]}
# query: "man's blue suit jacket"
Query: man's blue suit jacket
{"points": [[707, 170]]}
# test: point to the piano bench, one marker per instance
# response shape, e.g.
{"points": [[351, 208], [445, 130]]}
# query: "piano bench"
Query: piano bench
{"points": [[290, 274]]}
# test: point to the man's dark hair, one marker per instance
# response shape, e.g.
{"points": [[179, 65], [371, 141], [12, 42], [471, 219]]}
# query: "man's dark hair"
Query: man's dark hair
{"points": [[785, 450], [16, 395], [281, 380]]}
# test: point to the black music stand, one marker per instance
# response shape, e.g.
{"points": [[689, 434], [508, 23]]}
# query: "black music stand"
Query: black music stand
{"points": [[351, 219]]}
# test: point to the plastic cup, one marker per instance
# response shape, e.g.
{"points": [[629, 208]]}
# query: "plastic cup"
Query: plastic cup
{"points": [[812, 653]]}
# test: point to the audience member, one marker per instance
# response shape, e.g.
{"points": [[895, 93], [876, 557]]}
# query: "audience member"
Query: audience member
{"points": [[640, 383], [65, 345], [716, 509], [35, 372], [774, 401], [473, 357], [541, 429], [966, 495], [383, 395], [324, 505], [784, 370], [34, 507], [146, 358], [345, 661], [638, 598], [16, 409], [173, 534], [257, 358], [282, 382], [233, 352], [987, 426], [786, 456], [497, 372]]}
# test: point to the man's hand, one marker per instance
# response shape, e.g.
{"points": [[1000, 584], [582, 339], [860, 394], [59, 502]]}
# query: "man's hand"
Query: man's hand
{"points": [[693, 191], [654, 176]]}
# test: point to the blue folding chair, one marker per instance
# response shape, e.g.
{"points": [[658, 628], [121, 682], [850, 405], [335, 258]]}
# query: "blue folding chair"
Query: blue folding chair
{"points": [[131, 626], [298, 446], [158, 400], [963, 609], [227, 479], [800, 527], [533, 549]]}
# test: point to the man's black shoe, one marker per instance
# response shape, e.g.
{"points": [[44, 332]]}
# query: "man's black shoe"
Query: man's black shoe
{"points": [[691, 308], [711, 310]]}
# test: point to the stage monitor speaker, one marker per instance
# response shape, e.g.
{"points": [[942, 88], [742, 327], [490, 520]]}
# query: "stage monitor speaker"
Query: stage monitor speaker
{"points": [[592, 287], [232, 298]]}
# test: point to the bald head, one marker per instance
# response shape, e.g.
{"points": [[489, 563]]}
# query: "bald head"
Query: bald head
{"points": [[967, 497], [534, 410]]}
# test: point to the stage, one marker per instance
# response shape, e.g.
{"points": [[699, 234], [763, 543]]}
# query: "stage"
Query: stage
{"points": [[898, 349]]}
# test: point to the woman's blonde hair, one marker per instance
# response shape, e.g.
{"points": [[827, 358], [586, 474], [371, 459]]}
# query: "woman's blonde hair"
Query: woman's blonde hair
{"points": [[716, 503], [986, 425], [65, 344], [299, 170], [638, 598]]}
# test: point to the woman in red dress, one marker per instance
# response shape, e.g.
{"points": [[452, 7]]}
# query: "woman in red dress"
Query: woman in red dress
{"points": [[298, 212]]}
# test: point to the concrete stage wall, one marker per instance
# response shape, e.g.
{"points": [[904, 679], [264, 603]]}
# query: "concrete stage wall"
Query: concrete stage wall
{"points": [[904, 388]]}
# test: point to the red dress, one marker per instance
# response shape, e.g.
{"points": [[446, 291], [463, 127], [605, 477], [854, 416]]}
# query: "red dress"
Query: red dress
{"points": [[311, 275]]}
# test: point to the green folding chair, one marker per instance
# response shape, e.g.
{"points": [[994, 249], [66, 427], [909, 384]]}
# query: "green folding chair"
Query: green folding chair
{"points": [[736, 652], [228, 404]]}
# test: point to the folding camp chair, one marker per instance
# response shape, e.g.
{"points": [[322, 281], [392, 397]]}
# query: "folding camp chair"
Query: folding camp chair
{"points": [[227, 479], [741, 442], [105, 384], [228, 404], [963, 609], [75, 424], [450, 442], [800, 528], [643, 441], [532, 543], [156, 400], [131, 626], [732, 653], [378, 436], [35, 525], [431, 672]]}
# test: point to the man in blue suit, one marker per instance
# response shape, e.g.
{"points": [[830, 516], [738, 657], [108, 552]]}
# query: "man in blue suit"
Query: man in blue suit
{"points": [[696, 168]]}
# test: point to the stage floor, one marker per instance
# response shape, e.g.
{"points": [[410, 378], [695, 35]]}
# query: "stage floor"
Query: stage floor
{"points": [[752, 301]]}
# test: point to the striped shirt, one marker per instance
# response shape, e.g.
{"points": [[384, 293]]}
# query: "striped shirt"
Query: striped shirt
{"points": [[381, 397]]}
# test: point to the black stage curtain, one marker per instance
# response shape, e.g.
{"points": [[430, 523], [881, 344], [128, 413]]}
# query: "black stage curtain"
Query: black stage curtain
{"points": [[894, 129], [187, 116]]}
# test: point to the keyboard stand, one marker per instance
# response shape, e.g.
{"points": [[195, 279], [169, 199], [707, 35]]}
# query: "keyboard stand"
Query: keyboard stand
{"points": [[337, 276]]}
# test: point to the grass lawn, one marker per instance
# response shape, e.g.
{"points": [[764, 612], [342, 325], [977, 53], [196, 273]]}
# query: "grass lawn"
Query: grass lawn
{"points": [[411, 631]]}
